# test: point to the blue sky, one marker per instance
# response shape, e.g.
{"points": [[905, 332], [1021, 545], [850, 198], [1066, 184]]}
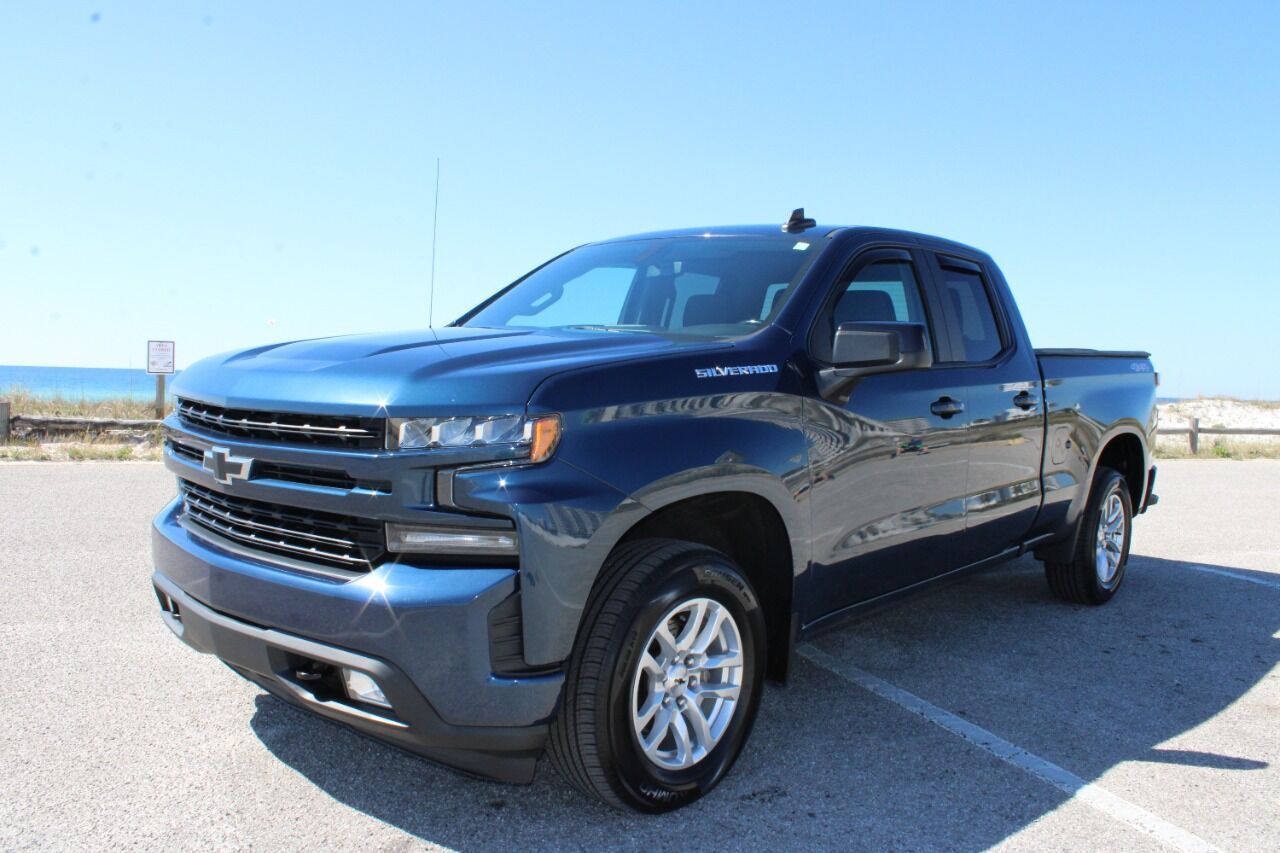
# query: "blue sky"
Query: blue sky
{"points": [[229, 174]]}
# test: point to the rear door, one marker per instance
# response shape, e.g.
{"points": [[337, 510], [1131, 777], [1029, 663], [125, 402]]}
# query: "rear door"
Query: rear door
{"points": [[997, 373], [888, 463]]}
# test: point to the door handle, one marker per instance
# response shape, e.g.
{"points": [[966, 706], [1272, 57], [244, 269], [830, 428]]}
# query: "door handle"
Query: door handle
{"points": [[1026, 401], [945, 407]]}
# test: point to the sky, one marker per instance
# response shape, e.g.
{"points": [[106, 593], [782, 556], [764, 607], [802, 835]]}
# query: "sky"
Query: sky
{"points": [[231, 174]]}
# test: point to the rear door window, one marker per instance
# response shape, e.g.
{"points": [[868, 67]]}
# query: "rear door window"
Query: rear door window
{"points": [[974, 327]]}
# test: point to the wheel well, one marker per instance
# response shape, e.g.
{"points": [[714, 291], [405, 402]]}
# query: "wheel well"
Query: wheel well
{"points": [[1124, 453], [749, 530]]}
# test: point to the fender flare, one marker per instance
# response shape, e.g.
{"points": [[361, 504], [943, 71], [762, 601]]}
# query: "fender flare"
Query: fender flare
{"points": [[1062, 548]]}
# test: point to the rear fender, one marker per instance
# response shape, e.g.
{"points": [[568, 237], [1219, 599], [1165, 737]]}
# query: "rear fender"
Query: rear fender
{"points": [[1067, 517]]}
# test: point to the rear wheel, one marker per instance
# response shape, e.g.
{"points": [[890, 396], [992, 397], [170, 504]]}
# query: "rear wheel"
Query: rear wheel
{"points": [[664, 681], [1096, 570]]}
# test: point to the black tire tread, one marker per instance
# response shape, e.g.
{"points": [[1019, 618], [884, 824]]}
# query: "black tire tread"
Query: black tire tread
{"points": [[573, 744]]}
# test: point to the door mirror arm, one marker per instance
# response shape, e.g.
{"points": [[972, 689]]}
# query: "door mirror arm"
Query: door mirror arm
{"points": [[863, 349]]}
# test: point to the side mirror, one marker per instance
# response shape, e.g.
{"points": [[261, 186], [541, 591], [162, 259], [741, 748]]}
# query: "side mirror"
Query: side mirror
{"points": [[861, 349]]}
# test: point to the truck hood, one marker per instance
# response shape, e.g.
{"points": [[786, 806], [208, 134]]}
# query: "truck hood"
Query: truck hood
{"points": [[431, 371]]}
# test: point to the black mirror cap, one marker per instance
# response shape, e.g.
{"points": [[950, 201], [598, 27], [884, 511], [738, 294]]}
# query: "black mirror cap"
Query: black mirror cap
{"points": [[861, 349], [880, 347]]}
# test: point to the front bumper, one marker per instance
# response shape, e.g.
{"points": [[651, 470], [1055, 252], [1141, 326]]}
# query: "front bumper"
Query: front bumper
{"points": [[422, 633]]}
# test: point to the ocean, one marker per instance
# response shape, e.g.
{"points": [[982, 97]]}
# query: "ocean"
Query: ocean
{"points": [[79, 383]]}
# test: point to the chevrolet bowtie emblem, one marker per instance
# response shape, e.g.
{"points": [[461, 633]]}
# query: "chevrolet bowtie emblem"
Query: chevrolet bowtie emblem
{"points": [[226, 468]]}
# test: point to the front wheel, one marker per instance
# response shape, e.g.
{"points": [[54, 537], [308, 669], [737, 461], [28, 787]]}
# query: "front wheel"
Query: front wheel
{"points": [[1096, 570], [664, 680]]}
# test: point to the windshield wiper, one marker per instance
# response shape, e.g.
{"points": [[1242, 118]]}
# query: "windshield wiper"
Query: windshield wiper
{"points": [[602, 328]]}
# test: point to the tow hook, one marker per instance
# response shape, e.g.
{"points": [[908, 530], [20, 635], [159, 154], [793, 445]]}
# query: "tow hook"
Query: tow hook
{"points": [[314, 672]]}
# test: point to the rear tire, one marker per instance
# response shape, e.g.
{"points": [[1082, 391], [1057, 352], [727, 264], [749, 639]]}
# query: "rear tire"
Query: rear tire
{"points": [[664, 680], [1096, 569]]}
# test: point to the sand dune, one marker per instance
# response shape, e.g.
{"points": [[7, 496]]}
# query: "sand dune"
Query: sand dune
{"points": [[1220, 412]]}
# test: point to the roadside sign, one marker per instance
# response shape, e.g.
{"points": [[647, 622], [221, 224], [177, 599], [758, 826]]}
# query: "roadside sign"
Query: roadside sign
{"points": [[160, 357]]}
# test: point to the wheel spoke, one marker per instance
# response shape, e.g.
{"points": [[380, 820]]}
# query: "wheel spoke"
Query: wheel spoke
{"points": [[722, 690], [721, 661], [712, 629], [659, 731], [666, 642], [650, 665], [684, 749], [650, 707], [699, 728], [691, 628]]}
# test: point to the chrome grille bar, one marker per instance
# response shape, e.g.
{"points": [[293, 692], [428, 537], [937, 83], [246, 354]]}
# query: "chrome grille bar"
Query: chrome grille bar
{"points": [[254, 539], [331, 430], [352, 543], [245, 522]]}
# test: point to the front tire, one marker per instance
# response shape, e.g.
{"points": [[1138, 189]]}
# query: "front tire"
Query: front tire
{"points": [[1096, 569], [664, 680]]}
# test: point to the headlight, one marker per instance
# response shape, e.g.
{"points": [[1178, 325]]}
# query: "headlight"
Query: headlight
{"points": [[535, 438]]}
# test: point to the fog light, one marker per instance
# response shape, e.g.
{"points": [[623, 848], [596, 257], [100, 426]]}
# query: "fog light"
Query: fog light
{"points": [[450, 540], [362, 688]]}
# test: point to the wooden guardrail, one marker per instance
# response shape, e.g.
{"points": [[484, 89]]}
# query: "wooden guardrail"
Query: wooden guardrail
{"points": [[1193, 432], [11, 424]]}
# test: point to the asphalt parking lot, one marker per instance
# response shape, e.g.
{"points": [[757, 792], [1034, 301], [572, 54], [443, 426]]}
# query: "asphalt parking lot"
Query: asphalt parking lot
{"points": [[982, 714]]}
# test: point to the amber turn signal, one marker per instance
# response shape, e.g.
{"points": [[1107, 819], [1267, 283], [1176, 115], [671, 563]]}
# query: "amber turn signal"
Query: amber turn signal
{"points": [[545, 437]]}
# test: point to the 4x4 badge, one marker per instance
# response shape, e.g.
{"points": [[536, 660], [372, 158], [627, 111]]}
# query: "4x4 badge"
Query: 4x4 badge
{"points": [[226, 468]]}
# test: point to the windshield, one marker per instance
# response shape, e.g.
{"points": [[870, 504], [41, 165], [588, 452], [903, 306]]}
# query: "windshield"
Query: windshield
{"points": [[697, 286]]}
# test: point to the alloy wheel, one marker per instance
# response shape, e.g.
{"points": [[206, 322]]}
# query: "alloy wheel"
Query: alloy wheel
{"points": [[687, 683]]}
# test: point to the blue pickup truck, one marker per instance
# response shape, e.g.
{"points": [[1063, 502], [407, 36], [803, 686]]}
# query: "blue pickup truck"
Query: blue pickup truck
{"points": [[596, 513]]}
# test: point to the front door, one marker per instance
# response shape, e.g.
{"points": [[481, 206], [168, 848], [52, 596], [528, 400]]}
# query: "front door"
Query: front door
{"points": [[888, 464]]}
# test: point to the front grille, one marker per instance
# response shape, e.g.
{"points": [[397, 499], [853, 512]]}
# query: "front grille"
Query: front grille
{"points": [[355, 544], [304, 474], [344, 431], [187, 452], [315, 477]]}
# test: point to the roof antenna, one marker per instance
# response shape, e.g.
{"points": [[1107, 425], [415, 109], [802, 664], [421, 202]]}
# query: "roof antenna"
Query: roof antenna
{"points": [[435, 215], [798, 222]]}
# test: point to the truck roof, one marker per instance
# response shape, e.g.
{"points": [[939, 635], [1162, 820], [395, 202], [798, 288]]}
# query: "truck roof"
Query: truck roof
{"points": [[815, 232]]}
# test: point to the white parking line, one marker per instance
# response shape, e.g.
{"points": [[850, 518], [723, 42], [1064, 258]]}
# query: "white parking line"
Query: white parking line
{"points": [[1196, 567], [1064, 780]]}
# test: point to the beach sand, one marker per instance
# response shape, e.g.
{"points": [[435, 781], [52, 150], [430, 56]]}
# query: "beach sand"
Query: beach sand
{"points": [[1220, 412]]}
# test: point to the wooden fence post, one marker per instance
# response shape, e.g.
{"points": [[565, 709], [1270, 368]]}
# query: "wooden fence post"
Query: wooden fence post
{"points": [[1194, 435], [159, 396], [4, 420]]}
